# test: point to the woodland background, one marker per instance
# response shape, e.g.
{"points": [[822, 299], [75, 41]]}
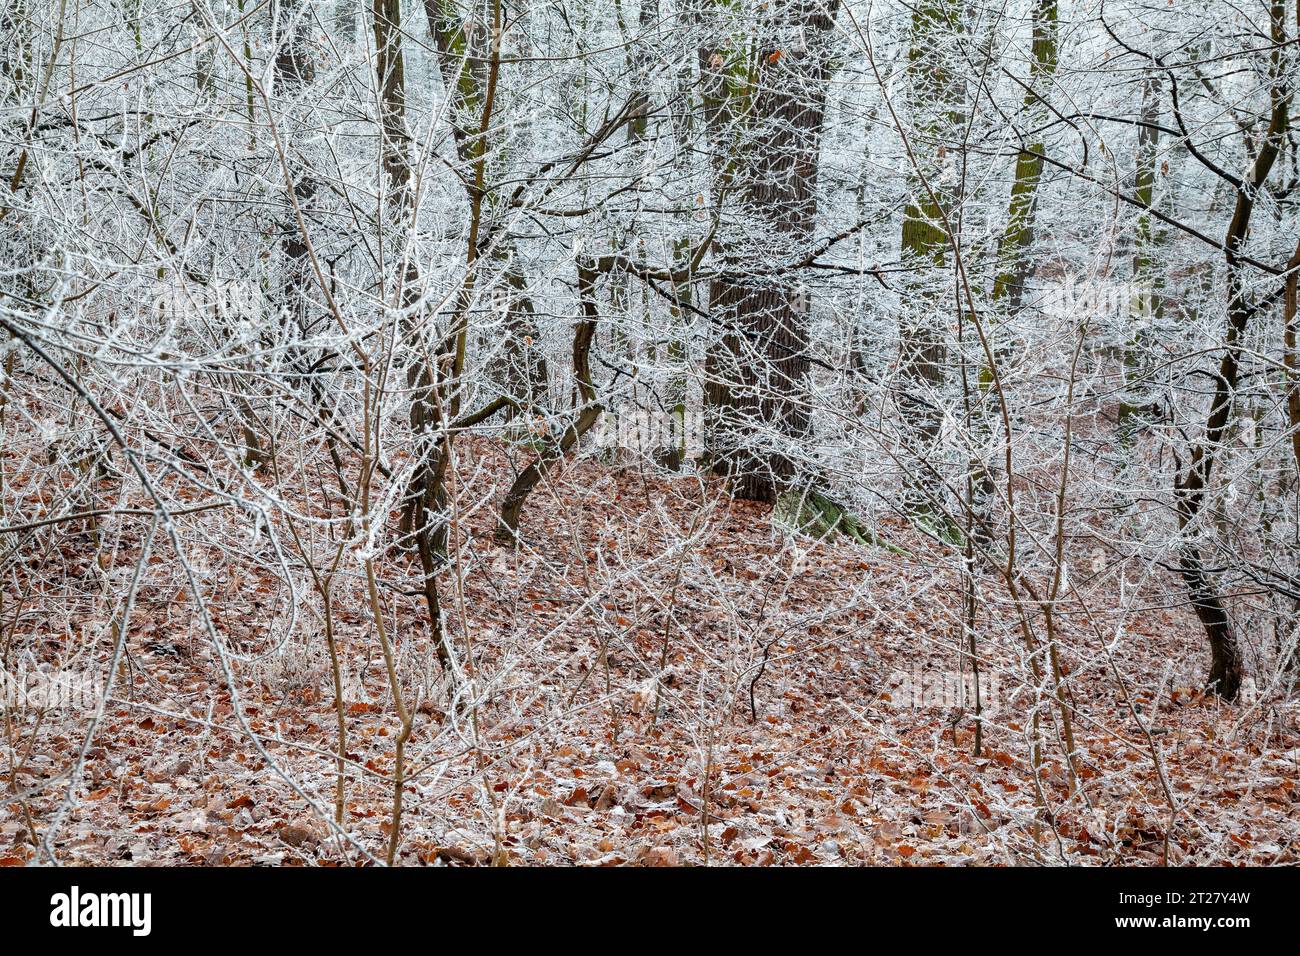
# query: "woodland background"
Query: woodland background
{"points": [[674, 432]]}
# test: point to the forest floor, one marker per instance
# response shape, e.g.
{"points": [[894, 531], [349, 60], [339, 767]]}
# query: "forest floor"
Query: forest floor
{"points": [[786, 728]]}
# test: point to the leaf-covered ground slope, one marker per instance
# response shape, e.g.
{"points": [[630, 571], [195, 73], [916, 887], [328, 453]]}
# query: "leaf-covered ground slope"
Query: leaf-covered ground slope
{"points": [[655, 676]]}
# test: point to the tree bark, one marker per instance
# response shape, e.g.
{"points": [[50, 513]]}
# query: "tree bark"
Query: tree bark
{"points": [[757, 371]]}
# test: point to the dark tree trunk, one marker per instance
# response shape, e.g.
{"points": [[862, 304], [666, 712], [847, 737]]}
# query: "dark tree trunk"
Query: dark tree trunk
{"points": [[757, 371], [757, 384]]}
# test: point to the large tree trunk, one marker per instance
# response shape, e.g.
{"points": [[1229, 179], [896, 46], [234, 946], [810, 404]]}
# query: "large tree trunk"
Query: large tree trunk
{"points": [[757, 371], [758, 383]]}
